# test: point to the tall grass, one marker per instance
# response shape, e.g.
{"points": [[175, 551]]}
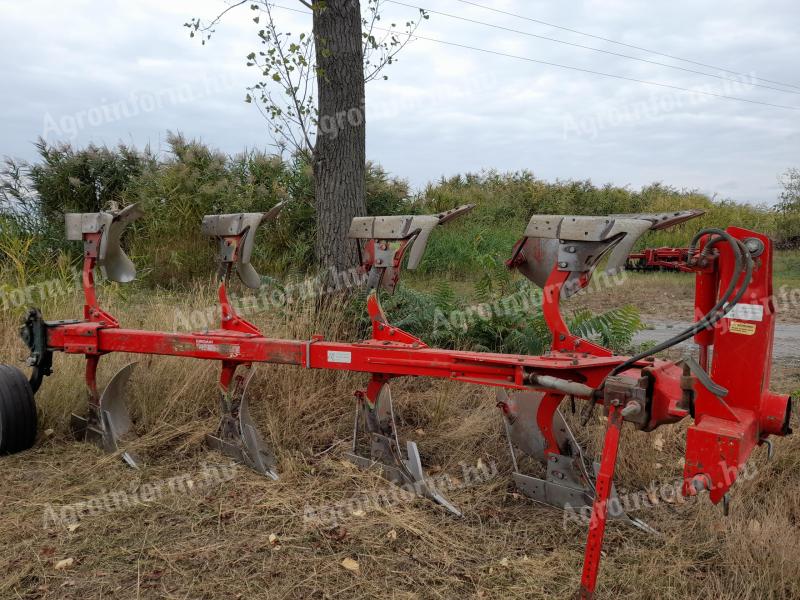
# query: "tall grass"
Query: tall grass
{"points": [[191, 179], [247, 536], [505, 203]]}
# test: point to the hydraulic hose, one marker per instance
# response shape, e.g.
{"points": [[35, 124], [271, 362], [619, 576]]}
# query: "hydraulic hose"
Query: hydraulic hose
{"points": [[743, 269]]}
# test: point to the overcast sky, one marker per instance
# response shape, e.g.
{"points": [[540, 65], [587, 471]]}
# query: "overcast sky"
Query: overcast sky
{"points": [[445, 109]]}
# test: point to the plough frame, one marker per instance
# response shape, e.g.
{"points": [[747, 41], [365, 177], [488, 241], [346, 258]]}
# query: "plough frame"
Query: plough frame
{"points": [[732, 407]]}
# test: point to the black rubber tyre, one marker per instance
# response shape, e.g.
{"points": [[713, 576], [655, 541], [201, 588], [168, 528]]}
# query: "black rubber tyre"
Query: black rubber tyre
{"points": [[18, 423]]}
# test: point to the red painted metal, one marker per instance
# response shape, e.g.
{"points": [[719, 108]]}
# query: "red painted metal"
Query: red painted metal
{"points": [[563, 340], [597, 522], [663, 259], [724, 432]]}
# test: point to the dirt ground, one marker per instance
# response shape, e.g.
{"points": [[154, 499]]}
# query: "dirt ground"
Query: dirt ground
{"points": [[670, 297], [234, 534]]}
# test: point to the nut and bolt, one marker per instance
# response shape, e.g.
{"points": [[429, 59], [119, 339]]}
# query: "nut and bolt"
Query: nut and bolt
{"points": [[631, 409]]}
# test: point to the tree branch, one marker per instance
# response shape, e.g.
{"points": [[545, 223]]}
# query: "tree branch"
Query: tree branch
{"points": [[218, 18]]}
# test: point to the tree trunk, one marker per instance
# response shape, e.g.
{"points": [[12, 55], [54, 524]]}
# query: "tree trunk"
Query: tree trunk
{"points": [[340, 150]]}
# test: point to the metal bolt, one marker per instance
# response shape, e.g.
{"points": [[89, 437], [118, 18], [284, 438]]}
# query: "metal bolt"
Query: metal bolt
{"points": [[562, 264], [631, 409], [699, 484]]}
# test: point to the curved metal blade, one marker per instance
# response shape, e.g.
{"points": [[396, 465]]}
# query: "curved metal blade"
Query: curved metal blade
{"points": [[523, 429], [114, 263], [260, 455], [114, 410], [403, 469], [576, 244], [107, 424], [237, 435], [112, 402], [248, 275], [568, 484]]}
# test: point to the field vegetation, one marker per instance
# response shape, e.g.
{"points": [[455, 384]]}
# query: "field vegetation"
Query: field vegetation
{"points": [[247, 537]]}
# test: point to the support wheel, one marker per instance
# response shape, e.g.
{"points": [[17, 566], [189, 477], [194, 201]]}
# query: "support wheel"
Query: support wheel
{"points": [[18, 423]]}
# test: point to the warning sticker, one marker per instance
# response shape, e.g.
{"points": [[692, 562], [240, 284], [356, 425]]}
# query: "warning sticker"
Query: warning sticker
{"points": [[337, 356], [746, 312], [743, 328]]}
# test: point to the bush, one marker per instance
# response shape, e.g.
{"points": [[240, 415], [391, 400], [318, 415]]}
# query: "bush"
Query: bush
{"points": [[505, 203], [191, 180], [175, 190], [788, 209]]}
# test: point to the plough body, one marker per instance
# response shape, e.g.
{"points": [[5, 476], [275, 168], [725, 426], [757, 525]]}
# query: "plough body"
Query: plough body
{"points": [[732, 407]]}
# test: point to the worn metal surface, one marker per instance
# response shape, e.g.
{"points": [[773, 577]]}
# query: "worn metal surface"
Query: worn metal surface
{"points": [[236, 236], [375, 428], [577, 243], [719, 442], [108, 423], [237, 435], [112, 260]]}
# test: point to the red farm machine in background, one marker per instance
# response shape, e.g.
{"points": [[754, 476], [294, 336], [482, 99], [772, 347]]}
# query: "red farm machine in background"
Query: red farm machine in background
{"points": [[659, 259], [727, 399]]}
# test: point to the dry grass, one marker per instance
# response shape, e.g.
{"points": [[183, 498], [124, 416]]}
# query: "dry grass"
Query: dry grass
{"points": [[216, 544]]}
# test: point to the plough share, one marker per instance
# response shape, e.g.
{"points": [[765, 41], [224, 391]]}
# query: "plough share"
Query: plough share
{"points": [[727, 397]]}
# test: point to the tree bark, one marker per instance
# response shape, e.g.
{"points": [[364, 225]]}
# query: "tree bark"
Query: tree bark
{"points": [[340, 149]]}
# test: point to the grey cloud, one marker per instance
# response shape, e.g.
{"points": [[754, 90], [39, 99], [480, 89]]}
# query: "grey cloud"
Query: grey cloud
{"points": [[444, 110]]}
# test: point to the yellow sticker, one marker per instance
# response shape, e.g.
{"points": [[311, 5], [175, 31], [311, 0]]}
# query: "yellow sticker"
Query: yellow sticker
{"points": [[743, 328]]}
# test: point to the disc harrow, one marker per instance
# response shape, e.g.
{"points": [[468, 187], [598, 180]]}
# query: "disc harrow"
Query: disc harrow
{"points": [[727, 398]]}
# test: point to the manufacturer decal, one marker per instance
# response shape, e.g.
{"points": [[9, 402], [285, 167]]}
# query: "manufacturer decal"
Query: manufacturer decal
{"points": [[337, 356]]}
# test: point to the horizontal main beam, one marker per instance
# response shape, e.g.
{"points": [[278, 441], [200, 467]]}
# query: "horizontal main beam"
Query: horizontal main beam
{"points": [[389, 358]]}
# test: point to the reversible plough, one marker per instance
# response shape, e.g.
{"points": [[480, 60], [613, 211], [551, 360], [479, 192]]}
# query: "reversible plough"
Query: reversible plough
{"points": [[727, 397]]}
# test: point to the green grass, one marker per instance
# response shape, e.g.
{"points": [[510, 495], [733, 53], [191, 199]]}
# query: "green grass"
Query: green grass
{"points": [[786, 265]]}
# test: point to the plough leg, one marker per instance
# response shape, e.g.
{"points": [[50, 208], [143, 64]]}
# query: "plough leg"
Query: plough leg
{"points": [[108, 420], [237, 435], [604, 490], [375, 425], [535, 426]]}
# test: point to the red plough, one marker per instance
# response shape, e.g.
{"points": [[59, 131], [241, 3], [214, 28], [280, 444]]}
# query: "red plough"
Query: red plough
{"points": [[728, 399], [660, 259]]}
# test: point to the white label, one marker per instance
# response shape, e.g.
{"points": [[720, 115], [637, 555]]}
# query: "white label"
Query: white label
{"points": [[336, 356], [746, 312], [209, 346]]}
